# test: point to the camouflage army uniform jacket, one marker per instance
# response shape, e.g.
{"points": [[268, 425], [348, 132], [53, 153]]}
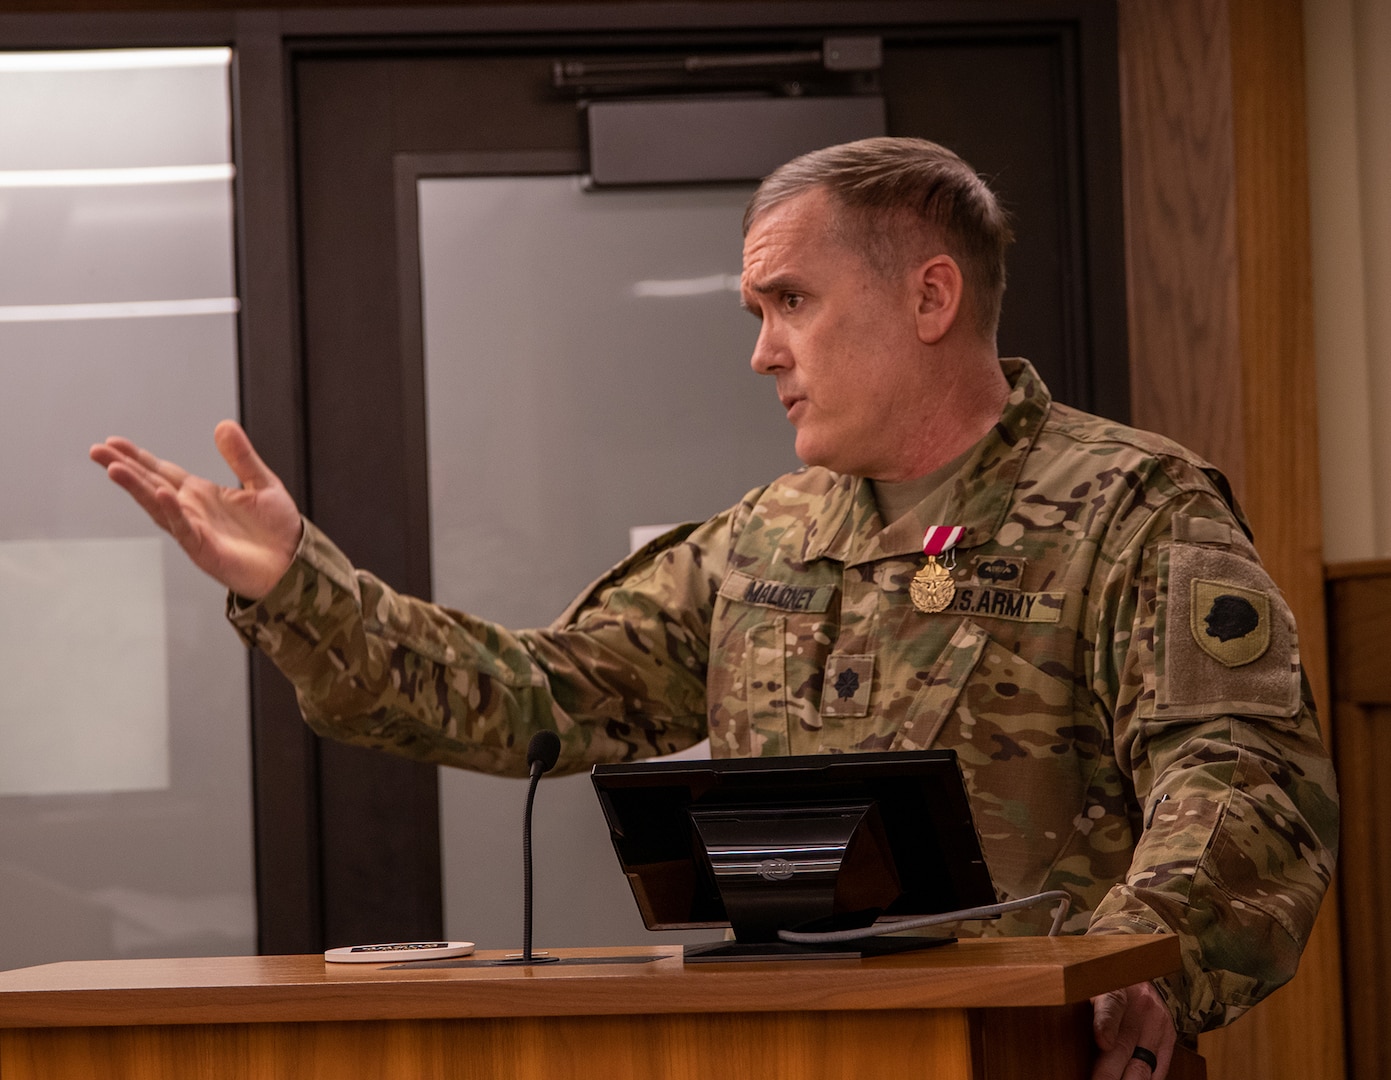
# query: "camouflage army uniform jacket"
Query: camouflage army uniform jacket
{"points": [[1118, 675]]}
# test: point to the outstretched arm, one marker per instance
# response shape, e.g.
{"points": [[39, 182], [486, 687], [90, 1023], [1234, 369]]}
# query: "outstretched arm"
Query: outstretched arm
{"points": [[243, 537]]}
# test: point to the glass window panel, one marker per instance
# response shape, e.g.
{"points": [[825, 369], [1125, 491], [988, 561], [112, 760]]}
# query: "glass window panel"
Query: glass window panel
{"points": [[587, 376], [125, 801], [104, 243]]}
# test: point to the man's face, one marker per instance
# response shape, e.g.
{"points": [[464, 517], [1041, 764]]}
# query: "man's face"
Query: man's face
{"points": [[839, 339]]}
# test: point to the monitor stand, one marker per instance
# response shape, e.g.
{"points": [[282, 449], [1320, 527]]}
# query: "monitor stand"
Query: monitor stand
{"points": [[724, 952], [817, 865]]}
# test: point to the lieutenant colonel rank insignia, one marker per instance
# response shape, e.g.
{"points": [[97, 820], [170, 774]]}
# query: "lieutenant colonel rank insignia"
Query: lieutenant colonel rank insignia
{"points": [[847, 682], [1229, 623]]}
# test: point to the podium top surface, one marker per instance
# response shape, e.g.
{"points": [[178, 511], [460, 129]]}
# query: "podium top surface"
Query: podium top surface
{"points": [[278, 989]]}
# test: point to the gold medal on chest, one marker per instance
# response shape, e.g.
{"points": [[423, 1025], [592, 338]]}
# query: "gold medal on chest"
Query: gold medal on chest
{"points": [[932, 587]]}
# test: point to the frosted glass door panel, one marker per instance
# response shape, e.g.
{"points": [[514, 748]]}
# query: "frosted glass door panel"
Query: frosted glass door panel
{"points": [[587, 378], [125, 801]]}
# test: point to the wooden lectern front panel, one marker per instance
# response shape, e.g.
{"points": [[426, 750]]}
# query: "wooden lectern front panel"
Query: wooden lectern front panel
{"points": [[892, 1045]]}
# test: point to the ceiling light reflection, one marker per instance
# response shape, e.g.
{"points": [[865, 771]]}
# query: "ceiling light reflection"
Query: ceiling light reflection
{"points": [[700, 286], [113, 59], [152, 174], [124, 309]]}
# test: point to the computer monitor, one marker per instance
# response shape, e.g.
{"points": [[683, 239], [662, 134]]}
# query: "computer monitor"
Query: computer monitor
{"points": [[817, 842]]}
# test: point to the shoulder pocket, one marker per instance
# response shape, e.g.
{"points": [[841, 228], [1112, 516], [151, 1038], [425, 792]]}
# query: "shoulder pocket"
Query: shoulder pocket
{"points": [[1226, 639]]}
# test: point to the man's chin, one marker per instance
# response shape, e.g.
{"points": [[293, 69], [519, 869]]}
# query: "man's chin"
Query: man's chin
{"points": [[806, 451], [809, 453]]}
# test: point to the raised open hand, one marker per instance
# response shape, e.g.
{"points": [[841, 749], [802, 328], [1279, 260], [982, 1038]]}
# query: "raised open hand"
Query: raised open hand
{"points": [[244, 537]]}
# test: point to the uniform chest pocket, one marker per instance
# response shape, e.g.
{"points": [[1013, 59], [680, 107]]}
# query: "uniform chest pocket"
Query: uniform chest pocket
{"points": [[1026, 762], [784, 660], [768, 650]]}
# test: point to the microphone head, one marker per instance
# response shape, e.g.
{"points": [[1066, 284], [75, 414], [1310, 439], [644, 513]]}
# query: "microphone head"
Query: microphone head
{"points": [[543, 751]]}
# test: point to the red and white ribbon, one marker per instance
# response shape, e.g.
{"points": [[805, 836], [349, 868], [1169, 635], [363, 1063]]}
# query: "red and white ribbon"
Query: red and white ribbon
{"points": [[941, 538]]}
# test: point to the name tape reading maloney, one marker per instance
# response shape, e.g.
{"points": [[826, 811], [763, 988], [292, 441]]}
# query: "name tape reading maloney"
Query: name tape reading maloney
{"points": [[776, 594]]}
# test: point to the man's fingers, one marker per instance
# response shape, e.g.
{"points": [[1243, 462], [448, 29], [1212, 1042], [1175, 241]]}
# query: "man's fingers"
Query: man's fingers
{"points": [[137, 483], [1157, 1035], [138, 456], [177, 522], [111, 451], [1122, 1063], [1135, 1034], [1106, 1018], [162, 503], [1139, 1067], [236, 449], [148, 481]]}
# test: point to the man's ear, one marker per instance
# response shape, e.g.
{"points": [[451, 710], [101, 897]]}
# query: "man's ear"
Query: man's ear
{"points": [[938, 288]]}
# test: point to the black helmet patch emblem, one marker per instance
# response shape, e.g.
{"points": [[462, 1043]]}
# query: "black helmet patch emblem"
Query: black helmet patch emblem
{"points": [[1229, 623]]}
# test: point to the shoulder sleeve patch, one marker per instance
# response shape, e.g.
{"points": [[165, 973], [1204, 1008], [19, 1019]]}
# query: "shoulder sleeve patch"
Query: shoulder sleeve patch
{"points": [[1229, 623], [1227, 641]]}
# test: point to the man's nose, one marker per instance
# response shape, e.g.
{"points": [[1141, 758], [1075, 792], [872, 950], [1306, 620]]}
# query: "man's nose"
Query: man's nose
{"points": [[769, 352]]}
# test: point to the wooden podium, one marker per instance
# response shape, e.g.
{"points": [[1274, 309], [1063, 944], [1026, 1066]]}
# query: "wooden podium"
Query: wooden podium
{"points": [[978, 1009]]}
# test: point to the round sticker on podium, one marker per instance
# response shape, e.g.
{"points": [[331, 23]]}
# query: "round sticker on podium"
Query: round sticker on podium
{"points": [[395, 951]]}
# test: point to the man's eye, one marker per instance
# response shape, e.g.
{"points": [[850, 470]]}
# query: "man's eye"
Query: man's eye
{"points": [[791, 301]]}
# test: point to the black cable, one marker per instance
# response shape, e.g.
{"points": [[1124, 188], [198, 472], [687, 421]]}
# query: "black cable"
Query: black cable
{"points": [[989, 911]]}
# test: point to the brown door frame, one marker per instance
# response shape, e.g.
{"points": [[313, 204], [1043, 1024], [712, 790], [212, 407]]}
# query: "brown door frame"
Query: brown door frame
{"points": [[387, 848]]}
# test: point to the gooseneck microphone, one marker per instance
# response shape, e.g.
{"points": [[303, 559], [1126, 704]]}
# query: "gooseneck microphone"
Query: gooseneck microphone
{"points": [[541, 755]]}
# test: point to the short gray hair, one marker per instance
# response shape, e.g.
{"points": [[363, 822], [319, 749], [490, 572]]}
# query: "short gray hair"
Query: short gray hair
{"points": [[879, 186]]}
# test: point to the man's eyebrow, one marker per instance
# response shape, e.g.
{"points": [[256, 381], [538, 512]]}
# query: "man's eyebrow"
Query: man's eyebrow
{"points": [[774, 285]]}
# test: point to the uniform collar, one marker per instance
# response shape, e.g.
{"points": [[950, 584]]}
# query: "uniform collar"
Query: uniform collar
{"points": [[977, 496]]}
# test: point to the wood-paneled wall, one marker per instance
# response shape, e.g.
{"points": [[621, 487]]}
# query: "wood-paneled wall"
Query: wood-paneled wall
{"points": [[1359, 619], [1222, 357]]}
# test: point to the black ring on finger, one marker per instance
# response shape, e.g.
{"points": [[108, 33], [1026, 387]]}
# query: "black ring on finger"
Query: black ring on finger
{"points": [[1141, 1053]]}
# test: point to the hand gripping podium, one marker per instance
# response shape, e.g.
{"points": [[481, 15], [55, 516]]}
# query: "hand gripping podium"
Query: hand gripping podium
{"points": [[995, 1008]]}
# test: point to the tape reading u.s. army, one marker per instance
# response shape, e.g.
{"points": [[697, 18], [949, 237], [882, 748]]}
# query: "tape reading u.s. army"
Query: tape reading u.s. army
{"points": [[1037, 607], [782, 595]]}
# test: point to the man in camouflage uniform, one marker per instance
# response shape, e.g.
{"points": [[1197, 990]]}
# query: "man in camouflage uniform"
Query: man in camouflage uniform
{"points": [[1118, 676]]}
